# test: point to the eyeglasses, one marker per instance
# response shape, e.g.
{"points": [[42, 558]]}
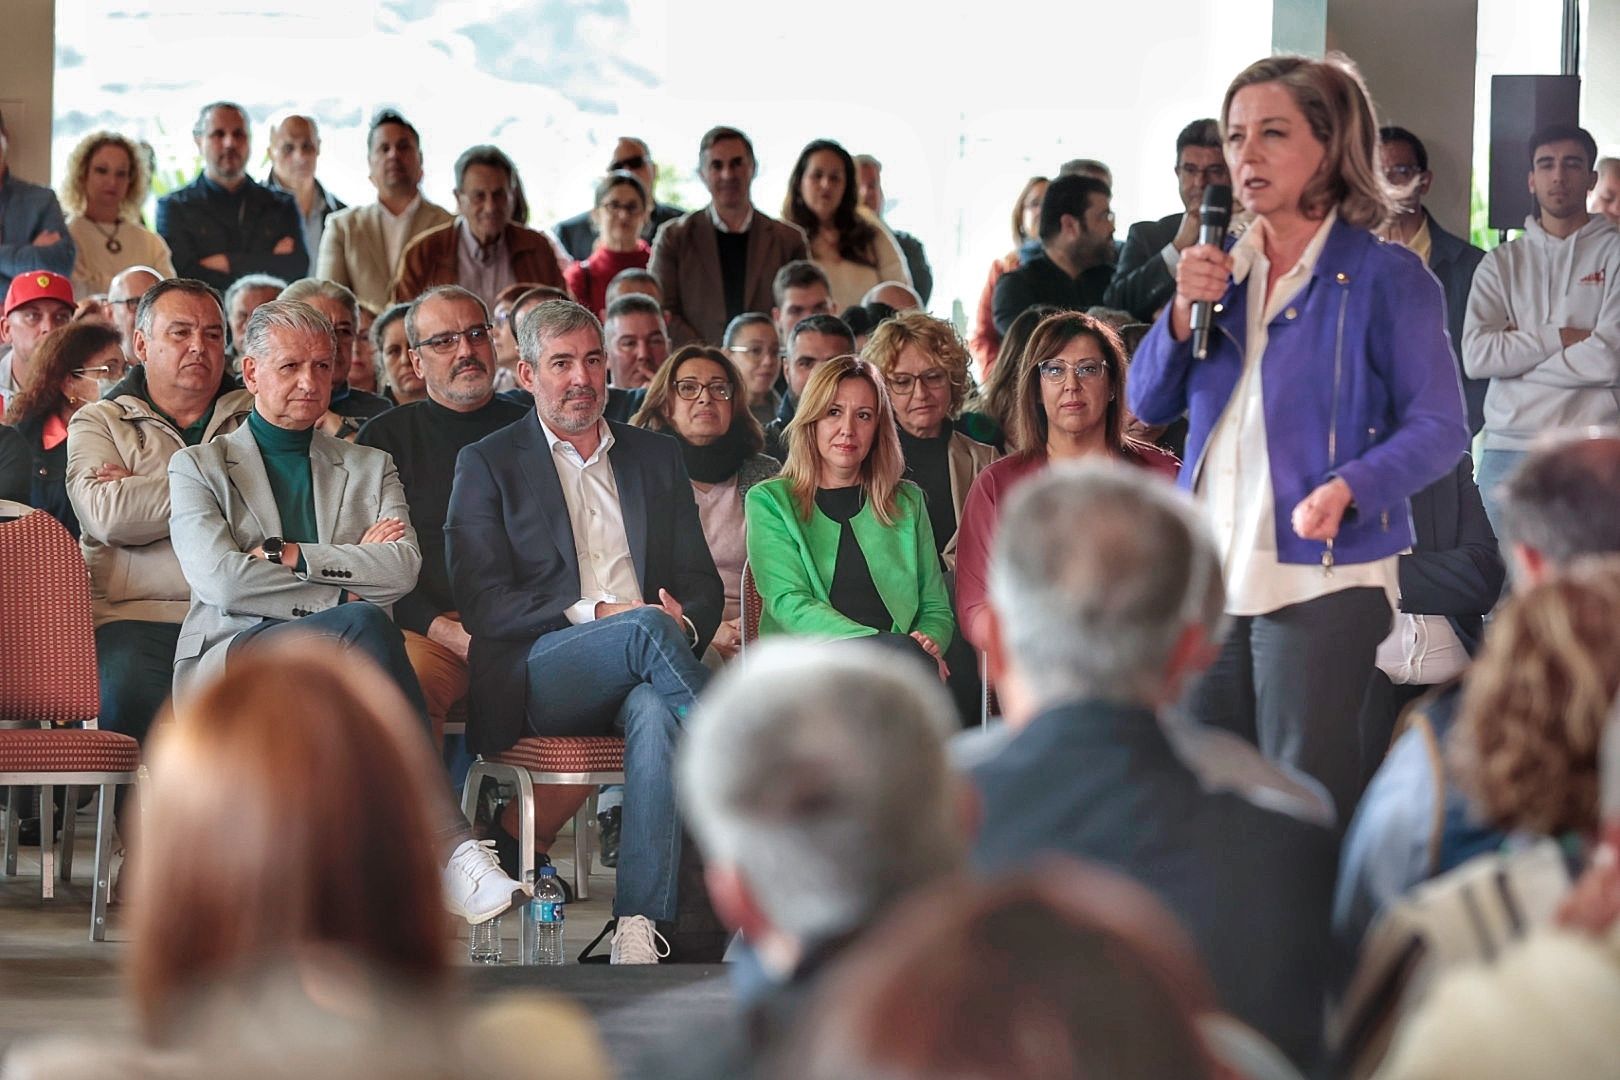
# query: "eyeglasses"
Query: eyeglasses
{"points": [[614, 207], [129, 305], [1056, 371], [629, 164], [1402, 174], [754, 352], [903, 384], [92, 372], [691, 389], [1211, 174], [445, 344]]}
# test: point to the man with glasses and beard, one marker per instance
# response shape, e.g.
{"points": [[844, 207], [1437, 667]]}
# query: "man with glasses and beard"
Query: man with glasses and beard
{"points": [[447, 331]]}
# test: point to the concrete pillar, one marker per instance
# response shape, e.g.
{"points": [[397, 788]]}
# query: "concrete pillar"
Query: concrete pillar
{"points": [[1600, 74], [1422, 78], [27, 77]]}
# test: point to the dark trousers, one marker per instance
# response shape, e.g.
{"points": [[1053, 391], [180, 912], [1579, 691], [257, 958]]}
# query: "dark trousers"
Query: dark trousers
{"points": [[367, 629], [1380, 710], [1292, 682], [135, 665]]}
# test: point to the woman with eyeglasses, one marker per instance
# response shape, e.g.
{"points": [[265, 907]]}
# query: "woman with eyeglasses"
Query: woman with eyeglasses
{"points": [[1070, 405], [107, 179], [753, 346], [840, 544], [622, 208], [849, 242], [67, 367], [925, 366], [697, 396]]}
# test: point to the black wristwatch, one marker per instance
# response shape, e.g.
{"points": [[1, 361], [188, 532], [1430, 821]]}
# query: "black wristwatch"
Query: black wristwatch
{"points": [[273, 546]]}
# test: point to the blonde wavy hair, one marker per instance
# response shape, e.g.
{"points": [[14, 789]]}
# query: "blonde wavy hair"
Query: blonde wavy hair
{"points": [[78, 173], [935, 337], [1537, 699], [1338, 108], [885, 463]]}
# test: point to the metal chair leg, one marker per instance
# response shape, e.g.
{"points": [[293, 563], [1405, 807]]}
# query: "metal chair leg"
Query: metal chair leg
{"points": [[469, 791], [101, 886], [47, 841], [14, 800], [584, 822], [70, 814]]}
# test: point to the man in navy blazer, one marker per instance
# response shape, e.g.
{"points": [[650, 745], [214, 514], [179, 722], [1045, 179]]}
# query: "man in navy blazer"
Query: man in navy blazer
{"points": [[579, 567], [224, 225], [1106, 600]]}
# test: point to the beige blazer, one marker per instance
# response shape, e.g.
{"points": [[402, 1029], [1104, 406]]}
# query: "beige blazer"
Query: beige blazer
{"points": [[967, 458], [686, 262], [354, 253]]}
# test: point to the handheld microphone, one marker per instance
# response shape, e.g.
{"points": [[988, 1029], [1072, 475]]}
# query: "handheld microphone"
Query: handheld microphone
{"points": [[1214, 215]]}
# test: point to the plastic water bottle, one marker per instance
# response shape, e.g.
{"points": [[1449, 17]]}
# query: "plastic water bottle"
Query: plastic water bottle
{"points": [[544, 916], [484, 942]]}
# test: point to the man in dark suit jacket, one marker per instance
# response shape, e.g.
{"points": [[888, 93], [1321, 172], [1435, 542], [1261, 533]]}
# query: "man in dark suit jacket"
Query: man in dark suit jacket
{"points": [[1145, 278], [224, 224], [716, 263], [578, 233], [1452, 259], [1091, 637], [579, 567]]}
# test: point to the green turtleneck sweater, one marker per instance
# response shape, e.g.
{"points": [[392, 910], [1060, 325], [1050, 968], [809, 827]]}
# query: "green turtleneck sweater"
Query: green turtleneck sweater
{"points": [[286, 464]]}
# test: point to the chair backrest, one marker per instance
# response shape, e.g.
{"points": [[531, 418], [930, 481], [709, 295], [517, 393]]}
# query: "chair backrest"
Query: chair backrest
{"points": [[47, 635], [751, 606]]}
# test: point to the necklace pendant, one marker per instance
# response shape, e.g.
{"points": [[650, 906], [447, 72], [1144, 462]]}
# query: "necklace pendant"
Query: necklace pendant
{"points": [[113, 245]]}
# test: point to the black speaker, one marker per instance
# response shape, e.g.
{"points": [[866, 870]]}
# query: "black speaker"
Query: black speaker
{"points": [[1520, 105]]}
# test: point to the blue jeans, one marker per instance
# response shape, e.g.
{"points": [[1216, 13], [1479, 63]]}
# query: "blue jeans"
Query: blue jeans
{"points": [[631, 674], [1495, 466]]}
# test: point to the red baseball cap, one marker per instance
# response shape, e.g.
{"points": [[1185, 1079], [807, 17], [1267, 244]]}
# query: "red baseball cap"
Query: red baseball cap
{"points": [[37, 285]]}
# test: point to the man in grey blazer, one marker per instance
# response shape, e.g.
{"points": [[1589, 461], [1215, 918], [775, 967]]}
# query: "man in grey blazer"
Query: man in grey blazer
{"points": [[281, 529], [361, 246], [716, 263]]}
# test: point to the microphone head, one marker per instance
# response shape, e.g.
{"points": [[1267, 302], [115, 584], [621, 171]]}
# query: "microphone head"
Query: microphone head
{"points": [[1216, 209]]}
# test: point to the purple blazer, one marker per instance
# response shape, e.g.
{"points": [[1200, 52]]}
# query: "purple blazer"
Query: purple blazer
{"points": [[1358, 381]]}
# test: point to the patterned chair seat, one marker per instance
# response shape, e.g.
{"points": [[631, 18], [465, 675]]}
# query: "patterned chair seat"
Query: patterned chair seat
{"points": [[30, 750], [564, 754]]}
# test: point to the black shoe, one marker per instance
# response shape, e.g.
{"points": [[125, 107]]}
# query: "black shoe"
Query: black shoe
{"points": [[506, 850], [608, 825]]}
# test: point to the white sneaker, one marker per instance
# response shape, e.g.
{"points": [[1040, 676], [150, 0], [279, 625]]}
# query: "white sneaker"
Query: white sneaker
{"points": [[475, 886], [637, 941]]}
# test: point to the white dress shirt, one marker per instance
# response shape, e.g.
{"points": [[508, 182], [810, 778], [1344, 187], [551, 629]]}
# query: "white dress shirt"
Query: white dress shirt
{"points": [[607, 573], [396, 230], [1234, 484]]}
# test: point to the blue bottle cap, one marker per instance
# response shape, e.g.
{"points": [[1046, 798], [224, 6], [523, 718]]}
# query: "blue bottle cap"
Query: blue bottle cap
{"points": [[548, 871]]}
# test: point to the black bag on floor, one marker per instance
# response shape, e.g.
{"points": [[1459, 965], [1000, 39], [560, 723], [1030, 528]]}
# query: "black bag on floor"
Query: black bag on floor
{"points": [[698, 936]]}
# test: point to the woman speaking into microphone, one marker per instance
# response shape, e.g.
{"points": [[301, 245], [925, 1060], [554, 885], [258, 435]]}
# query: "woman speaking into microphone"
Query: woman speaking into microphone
{"points": [[1327, 397]]}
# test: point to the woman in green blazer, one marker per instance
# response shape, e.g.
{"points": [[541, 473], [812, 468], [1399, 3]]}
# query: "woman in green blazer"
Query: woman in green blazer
{"points": [[839, 545]]}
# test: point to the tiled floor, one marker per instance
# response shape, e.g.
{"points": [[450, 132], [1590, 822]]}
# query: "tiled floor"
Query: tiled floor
{"points": [[54, 979]]}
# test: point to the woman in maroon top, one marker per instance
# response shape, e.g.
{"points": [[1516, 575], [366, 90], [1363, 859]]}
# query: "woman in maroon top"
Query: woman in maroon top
{"points": [[622, 207], [1070, 405]]}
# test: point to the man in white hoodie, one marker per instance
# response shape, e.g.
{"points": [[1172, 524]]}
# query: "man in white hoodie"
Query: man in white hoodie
{"points": [[1544, 314]]}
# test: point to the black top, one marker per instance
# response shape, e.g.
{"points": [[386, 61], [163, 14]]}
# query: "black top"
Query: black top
{"points": [[47, 475], [16, 462], [354, 402], [733, 248], [928, 465], [1040, 281], [853, 593], [424, 438]]}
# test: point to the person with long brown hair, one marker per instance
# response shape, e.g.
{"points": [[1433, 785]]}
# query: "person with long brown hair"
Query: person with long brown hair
{"points": [[1328, 397], [285, 918], [840, 544], [1069, 405], [623, 206], [66, 369], [699, 397], [849, 242]]}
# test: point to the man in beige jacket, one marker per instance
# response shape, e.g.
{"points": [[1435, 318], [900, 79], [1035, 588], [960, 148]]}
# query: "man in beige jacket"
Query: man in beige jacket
{"points": [[362, 245], [118, 480]]}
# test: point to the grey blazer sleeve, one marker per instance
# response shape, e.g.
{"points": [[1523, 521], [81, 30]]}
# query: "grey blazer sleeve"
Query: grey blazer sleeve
{"points": [[381, 573]]}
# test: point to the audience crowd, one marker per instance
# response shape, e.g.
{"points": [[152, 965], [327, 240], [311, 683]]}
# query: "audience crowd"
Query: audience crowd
{"points": [[1265, 776]]}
